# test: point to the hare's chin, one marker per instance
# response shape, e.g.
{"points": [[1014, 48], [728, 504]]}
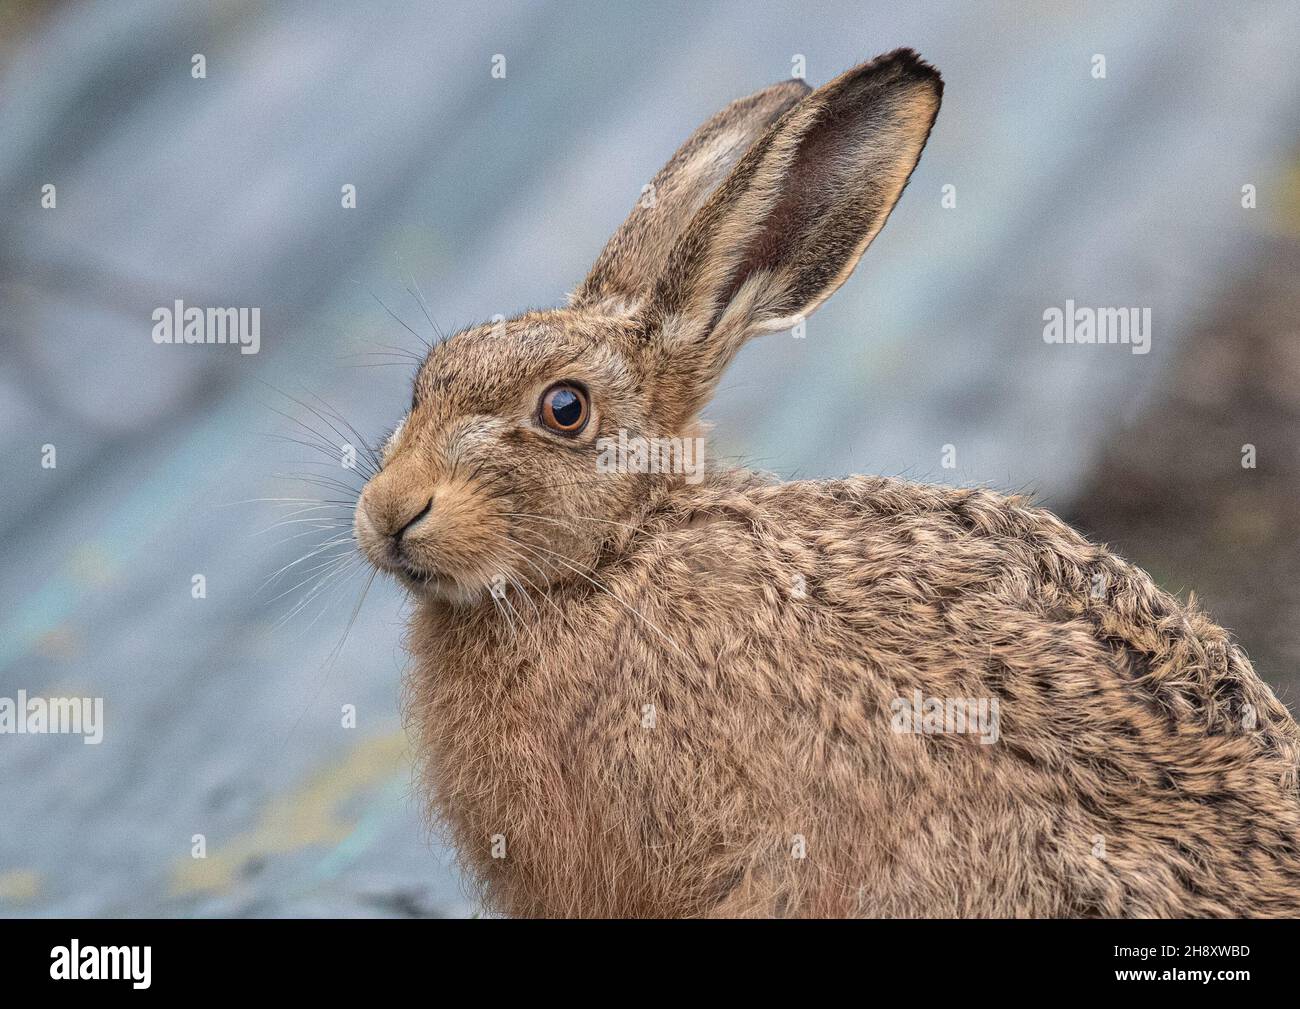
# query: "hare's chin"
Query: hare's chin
{"points": [[433, 587], [421, 584]]}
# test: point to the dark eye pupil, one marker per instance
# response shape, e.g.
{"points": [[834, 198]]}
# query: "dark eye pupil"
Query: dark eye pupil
{"points": [[566, 408]]}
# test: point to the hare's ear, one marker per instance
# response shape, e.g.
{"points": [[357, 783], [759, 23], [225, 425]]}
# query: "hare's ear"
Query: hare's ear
{"points": [[632, 261], [791, 221]]}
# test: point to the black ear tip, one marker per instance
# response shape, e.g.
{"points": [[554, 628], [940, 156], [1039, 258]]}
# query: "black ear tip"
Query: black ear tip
{"points": [[907, 63]]}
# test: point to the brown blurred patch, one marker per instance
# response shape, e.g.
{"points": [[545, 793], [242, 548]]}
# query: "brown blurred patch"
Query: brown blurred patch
{"points": [[19, 18], [1171, 493]]}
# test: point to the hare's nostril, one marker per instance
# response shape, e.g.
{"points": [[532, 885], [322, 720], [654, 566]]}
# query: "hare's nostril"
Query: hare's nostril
{"points": [[397, 536]]}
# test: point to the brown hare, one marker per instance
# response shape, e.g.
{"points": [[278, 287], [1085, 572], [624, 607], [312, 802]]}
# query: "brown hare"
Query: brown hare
{"points": [[699, 693]]}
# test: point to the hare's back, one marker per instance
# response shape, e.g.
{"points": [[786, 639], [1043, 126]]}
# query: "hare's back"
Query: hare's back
{"points": [[963, 592]]}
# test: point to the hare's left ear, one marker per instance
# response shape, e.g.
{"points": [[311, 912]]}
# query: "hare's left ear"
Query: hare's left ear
{"points": [[632, 261], [792, 219]]}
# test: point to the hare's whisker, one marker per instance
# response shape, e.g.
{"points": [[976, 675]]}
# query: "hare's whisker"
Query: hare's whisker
{"points": [[396, 318], [546, 594], [361, 439], [336, 541], [325, 484], [322, 443], [292, 518], [631, 609], [370, 456], [333, 579], [411, 282], [311, 575]]}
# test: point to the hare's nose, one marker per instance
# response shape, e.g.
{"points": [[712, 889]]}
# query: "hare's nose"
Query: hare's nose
{"points": [[389, 519], [401, 531]]}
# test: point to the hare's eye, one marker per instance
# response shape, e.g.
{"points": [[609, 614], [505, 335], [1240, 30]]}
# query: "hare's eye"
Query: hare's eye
{"points": [[564, 408]]}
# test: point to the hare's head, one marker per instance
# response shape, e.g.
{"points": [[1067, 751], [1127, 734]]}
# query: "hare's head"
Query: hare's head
{"points": [[507, 469]]}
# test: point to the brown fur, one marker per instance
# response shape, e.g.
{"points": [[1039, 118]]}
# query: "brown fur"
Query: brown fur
{"points": [[680, 704]]}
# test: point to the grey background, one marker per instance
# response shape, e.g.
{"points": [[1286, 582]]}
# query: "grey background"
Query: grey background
{"points": [[487, 196]]}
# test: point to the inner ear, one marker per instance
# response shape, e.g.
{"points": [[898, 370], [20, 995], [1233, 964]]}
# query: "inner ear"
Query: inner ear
{"points": [[807, 194], [635, 256]]}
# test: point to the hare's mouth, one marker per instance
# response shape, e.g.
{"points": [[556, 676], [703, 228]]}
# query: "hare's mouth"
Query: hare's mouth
{"points": [[412, 575], [426, 584], [416, 578]]}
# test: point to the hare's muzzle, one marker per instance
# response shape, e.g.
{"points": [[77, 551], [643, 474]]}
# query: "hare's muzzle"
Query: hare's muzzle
{"points": [[386, 523]]}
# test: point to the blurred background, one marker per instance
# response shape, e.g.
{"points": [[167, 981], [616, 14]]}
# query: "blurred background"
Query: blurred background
{"points": [[479, 194]]}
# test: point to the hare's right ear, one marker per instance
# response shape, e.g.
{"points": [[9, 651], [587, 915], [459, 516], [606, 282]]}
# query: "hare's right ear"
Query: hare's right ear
{"points": [[789, 224], [635, 256]]}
